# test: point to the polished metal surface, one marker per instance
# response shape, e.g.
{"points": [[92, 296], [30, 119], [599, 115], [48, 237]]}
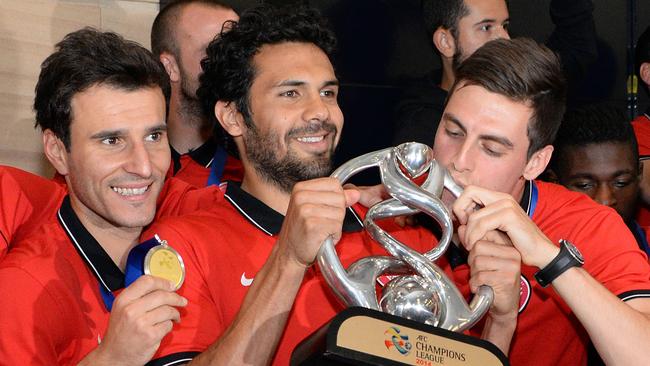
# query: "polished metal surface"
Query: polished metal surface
{"points": [[420, 291]]}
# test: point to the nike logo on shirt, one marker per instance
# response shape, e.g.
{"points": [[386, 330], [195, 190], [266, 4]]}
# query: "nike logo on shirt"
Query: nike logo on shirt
{"points": [[246, 281]]}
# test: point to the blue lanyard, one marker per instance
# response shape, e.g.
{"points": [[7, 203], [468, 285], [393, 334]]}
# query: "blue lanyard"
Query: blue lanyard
{"points": [[533, 199], [134, 269], [218, 165]]}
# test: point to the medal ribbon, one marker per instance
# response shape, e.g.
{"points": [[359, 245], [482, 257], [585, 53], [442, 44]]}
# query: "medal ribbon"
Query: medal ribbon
{"points": [[218, 165], [134, 268]]}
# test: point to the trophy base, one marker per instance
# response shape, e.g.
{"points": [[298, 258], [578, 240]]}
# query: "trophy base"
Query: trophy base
{"points": [[359, 336]]}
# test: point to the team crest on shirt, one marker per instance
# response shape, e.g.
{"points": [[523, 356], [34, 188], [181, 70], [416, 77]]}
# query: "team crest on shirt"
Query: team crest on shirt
{"points": [[524, 293]]}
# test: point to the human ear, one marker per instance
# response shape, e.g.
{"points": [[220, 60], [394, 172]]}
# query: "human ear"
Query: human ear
{"points": [[229, 118], [55, 152], [171, 66], [444, 42], [644, 72], [538, 162]]}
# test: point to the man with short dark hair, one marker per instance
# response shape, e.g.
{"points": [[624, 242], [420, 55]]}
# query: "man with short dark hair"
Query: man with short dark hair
{"points": [[457, 28], [495, 139], [179, 35], [596, 154], [100, 102], [285, 122]]}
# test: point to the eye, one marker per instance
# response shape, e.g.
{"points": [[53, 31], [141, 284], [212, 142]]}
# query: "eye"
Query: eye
{"points": [[582, 186], [153, 137], [486, 27], [453, 133], [622, 183], [492, 152], [328, 93], [289, 93], [506, 25], [113, 140]]}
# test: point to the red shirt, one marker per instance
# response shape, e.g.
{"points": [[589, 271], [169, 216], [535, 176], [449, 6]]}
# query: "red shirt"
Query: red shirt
{"points": [[641, 127], [196, 166], [53, 312], [27, 201], [548, 333], [232, 242]]}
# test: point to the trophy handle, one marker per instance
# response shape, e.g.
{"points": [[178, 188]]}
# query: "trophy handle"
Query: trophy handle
{"points": [[356, 286]]}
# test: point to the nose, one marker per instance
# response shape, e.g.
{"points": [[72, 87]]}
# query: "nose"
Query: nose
{"points": [[316, 109], [138, 160], [502, 32], [605, 195], [461, 161]]}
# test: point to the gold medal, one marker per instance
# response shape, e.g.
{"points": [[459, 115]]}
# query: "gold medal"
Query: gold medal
{"points": [[165, 262]]}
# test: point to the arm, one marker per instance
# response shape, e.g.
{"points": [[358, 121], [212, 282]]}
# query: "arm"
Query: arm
{"points": [[316, 211], [620, 330]]}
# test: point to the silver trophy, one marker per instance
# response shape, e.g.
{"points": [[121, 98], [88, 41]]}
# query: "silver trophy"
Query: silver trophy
{"points": [[421, 291]]}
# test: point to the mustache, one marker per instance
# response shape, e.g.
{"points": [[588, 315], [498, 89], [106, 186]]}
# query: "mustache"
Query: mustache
{"points": [[312, 128]]}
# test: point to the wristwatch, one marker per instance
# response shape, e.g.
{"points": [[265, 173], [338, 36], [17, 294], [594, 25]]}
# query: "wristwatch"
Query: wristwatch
{"points": [[568, 257]]}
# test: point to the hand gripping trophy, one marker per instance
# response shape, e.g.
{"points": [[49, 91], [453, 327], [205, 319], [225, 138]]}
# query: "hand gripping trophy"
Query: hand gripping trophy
{"points": [[423, 292]]}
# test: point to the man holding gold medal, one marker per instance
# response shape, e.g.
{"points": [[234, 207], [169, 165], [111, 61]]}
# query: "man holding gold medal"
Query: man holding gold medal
{"points": [[75, 292]]}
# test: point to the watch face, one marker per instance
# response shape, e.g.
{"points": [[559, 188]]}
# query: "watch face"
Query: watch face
{"points": [[574, 251]]}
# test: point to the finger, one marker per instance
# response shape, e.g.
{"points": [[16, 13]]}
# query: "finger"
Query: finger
{"points": [[319, 184], [142, 286], [161, 314], [352, 196], [472, 197], [497, 237], [492, 217]]}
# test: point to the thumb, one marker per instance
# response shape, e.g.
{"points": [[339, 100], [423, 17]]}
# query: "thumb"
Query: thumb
{"points": [[352, 196]]}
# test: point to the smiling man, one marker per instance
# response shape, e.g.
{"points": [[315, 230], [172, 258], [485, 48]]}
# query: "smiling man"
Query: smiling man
{"points": [[583, 275], [270, 85], [100, 102]]}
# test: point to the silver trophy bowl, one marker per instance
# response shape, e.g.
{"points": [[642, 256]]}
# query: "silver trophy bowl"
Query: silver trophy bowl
{"points": [[420, 290]]}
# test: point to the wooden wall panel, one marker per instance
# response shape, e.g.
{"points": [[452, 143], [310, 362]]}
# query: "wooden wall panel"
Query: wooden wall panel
{"points": [[29, 29]]}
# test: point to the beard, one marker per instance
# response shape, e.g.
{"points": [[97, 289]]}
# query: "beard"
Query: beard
{"points": [[458, 58], [190, 106], [284, 172]]}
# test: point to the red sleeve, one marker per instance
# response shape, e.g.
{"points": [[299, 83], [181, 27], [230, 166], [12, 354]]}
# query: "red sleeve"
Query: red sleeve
{"points": [[179, 198], [642, 133], [27, 201], [30, 320], [612, 255], [15, 209]]}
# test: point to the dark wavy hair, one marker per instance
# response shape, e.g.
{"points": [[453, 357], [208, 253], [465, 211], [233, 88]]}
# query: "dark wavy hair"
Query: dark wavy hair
{"points": [[524, 71], [86, 58], [228, 69], [593, 124]]}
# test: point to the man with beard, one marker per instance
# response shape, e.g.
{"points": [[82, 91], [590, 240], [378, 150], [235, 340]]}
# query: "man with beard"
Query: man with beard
{"points": [[271, 86], [179, 36], [457, 28]]}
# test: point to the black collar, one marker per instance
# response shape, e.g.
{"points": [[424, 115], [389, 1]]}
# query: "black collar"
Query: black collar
{"points": [[269, 220], [647, 113], [202, 155], [98, 261]]}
